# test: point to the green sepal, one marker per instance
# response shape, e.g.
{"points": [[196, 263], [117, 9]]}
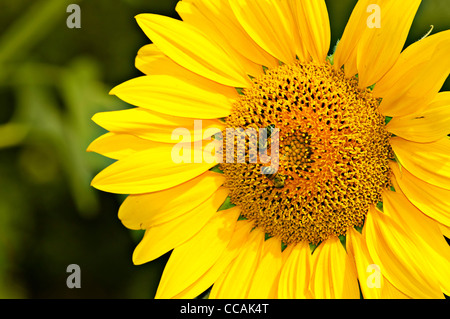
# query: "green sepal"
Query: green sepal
{"points": [[343, 240], [359, 229], [216, 169], [240, 91], [330, 58], [387, 119], [227, 204], [380, 206]]}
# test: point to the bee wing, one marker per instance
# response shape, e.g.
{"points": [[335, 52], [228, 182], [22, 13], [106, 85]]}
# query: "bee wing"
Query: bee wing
{"points": [[268, 170]]}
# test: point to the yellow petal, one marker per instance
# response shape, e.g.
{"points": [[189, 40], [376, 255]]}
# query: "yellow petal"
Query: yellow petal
{"points": [[199, 15], [148, 171], [431, 200], [149, 57], [189, 47], [221, 14], [371, 52], [270, 24], [146, 210], [295, 274], [265, 281], [372, 282], [398, 257], [159, 239], [430, 162], [118, 146], [156, 126], [430, 125], [299, 47], [194, 258], [333, 272], [379, 48], [314, 27], [236, 282], [346, 48], [445, 230], [416, 78], [424, 232], [239, 238], [150, 60], [185, 95]]}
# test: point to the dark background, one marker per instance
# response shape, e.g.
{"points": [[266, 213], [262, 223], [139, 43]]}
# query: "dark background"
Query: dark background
{"points": [[52, 81]]}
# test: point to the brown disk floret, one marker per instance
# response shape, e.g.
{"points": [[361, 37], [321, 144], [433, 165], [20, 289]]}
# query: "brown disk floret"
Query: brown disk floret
{"points": [[333, 153]]}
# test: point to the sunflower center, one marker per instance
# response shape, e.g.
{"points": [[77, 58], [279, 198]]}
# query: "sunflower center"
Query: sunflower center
{"points": [[332, 157]]}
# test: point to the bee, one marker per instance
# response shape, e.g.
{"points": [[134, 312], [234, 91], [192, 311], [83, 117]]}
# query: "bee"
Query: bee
{"points": [[263, 138], [273, 176]]}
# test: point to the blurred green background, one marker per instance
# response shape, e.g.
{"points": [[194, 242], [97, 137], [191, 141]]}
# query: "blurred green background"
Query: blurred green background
{"points": [[52, 81]]}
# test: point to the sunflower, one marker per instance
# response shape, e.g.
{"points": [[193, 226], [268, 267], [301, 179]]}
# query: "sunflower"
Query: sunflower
{"points": [[359, 202]]}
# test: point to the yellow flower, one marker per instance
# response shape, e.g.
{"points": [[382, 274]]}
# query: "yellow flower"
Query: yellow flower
{"points": [[361, 195]]}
